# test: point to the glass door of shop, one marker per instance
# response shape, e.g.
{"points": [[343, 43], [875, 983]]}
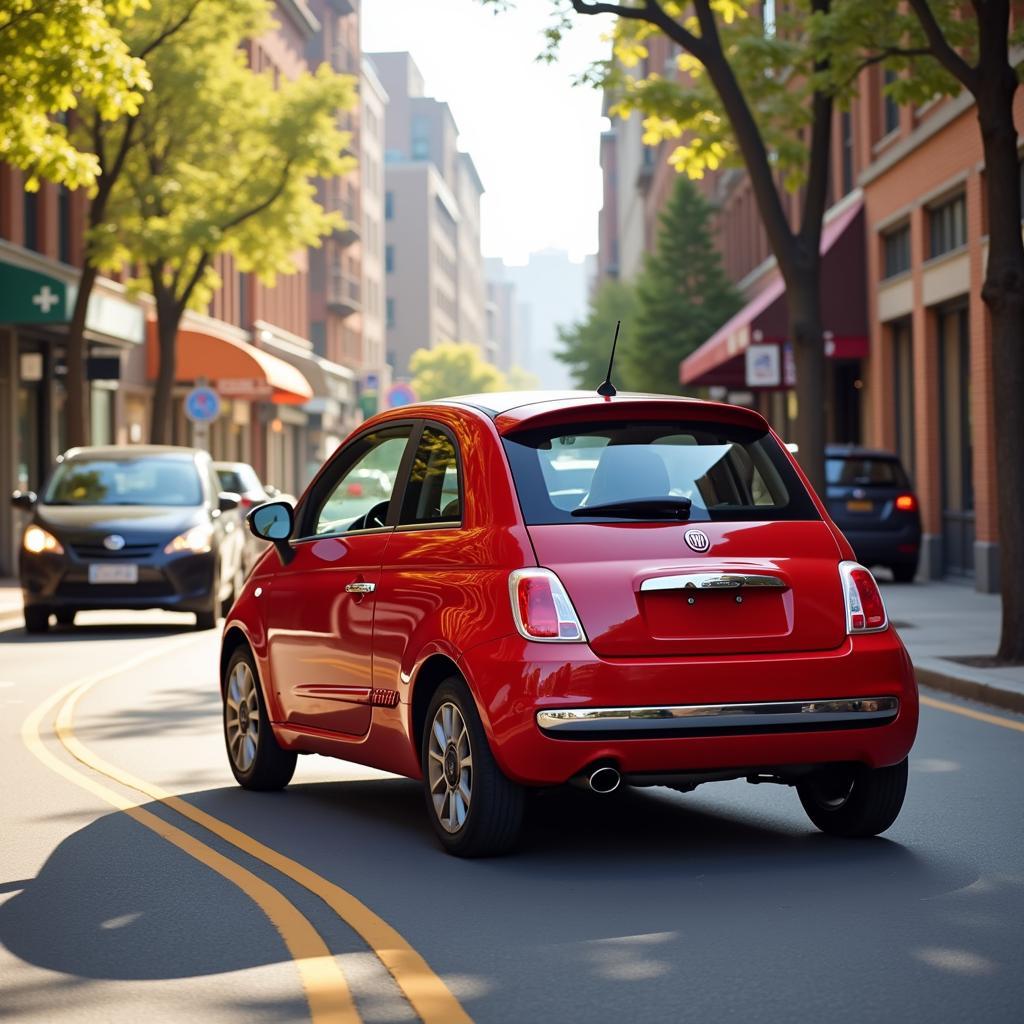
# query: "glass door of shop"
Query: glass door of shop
{"points": [[956, 457]]}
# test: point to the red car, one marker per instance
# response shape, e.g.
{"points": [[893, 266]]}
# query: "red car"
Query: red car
{"points": [[563, 587]]}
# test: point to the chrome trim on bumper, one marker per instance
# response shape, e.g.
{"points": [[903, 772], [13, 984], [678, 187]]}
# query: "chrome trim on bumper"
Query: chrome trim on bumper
{"points": [[696, 718], [712, 581]]}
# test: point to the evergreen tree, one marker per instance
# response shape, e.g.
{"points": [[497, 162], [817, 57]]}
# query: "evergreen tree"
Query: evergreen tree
{"points": [[587, 344], [683, 295]]}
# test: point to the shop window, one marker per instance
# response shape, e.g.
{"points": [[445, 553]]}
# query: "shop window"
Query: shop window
{"points": [[947, 226], [30, 207], [64, 224], [903, 391], [890, 108], [896, 251]]}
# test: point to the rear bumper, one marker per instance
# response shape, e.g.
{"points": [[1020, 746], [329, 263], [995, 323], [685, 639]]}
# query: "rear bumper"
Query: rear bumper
{"points": [[640, 715]]}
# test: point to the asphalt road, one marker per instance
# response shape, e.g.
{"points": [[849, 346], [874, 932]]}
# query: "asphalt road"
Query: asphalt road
{"points": [[721, 905]]}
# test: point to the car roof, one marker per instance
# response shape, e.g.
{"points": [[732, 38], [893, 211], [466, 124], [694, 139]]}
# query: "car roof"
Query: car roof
{"points": [[499, 403], [853, 451], [121, 451]]}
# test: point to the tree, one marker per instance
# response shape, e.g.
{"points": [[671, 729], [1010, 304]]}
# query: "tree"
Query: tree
{"points": [[587, 344], [223, 162], [763, 97], [452, 368], [55, 55], [518, 379], [947, 46], [683, 295]]}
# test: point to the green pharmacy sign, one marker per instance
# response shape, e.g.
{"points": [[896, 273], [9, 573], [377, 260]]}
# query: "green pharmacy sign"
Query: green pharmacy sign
{"points": [[28, 297]]}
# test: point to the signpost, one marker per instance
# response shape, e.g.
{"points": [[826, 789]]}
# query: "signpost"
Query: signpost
{"points": [[202, 407], [400, 394]]}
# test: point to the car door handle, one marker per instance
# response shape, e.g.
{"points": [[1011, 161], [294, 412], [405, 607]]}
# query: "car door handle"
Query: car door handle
{"points": [[360, 588]]}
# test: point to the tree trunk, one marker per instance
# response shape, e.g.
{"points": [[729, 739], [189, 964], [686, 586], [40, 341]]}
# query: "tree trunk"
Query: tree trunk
{"points": [[76, 408], [168, 316], [803, 296], [1003, 294]]}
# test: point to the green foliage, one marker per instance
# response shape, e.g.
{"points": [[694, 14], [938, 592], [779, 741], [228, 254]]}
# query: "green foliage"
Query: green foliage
{"points": [[453, 368], [54, 56], [518, 379], [222, 158], [587, 344], [683, 294]]}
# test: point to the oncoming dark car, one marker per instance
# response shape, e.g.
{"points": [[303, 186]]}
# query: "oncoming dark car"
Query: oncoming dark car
{"points": [[139, 527], [552, 588], [870, 499]]}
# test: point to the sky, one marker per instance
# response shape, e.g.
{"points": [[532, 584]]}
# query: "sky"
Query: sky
{"points": [[532, 135]]}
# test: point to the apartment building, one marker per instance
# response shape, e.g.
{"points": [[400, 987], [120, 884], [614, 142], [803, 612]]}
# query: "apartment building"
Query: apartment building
{"points": [[433, 263], [904, 248], [283, 396]]}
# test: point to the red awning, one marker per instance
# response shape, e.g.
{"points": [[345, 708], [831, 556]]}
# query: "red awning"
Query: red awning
{"points": [[233, 366], [721, 360]]}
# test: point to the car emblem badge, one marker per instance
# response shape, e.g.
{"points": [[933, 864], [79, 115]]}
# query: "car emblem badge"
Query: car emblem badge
{"points": [[114, 542], [698, 540]]}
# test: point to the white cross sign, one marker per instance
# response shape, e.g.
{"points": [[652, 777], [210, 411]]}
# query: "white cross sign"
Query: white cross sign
{"points": [[45, 299]]}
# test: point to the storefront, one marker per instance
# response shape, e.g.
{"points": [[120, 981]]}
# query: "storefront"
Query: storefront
{"points": [[37, 296], [749, 359]]}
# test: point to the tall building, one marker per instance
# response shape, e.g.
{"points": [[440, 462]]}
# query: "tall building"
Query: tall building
{"points": [[907, 336], [503, 320], [433, 264]]}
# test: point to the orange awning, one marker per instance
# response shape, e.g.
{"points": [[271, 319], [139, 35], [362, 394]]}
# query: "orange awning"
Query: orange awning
{"points": [[233, 366]]}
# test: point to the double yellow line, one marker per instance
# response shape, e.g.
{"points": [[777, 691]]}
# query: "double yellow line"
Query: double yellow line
{"points": [[327, 992]]}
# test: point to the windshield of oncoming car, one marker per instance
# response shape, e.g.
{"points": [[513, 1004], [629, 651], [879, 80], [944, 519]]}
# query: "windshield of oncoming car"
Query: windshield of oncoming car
{"points": [[725, 472], [142, 481]]}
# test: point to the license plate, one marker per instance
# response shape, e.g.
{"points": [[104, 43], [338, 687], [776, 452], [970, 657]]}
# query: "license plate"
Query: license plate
{"points": [[860, 506], [113, 573]]}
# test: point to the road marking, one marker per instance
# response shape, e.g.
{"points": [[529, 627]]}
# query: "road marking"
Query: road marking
{"points": [[981, 716], [432, 1000], [326, 989]]}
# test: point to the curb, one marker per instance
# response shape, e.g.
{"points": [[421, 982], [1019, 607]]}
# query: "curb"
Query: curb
{"points": [[1011, 700]]}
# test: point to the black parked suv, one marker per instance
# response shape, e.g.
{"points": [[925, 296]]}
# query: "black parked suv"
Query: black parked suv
{"points": [[133, 527], [870, 498]]}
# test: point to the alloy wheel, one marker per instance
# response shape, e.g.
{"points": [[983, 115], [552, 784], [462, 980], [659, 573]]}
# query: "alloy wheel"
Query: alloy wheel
{"points": [[450, 767], [242, 717]]}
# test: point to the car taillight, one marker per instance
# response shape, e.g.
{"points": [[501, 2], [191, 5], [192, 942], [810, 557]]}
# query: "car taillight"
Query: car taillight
{"points": [[865, 612], [541, 607], [245, 503], [906, 503]]}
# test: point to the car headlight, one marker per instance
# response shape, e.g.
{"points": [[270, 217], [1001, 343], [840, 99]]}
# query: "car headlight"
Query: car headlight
{"points": [[37, 540], [196, 541]]}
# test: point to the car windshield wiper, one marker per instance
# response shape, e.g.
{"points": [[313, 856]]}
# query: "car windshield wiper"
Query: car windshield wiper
{"points": [[639, 508]]}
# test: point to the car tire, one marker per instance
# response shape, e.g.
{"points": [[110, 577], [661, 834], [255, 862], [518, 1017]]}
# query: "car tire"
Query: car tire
{"points": [[206, 620], [37, 620], [855, 801], [257, 761], [489, 821], [65, 616], [904, 573]]}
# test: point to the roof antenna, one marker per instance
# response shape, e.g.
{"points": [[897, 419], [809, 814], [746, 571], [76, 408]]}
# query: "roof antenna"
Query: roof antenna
{"points": [[607, 388]]}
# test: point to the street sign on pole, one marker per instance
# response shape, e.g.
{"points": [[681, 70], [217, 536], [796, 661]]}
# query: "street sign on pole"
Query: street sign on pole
{"points": [[202, 405], [400, 394]]}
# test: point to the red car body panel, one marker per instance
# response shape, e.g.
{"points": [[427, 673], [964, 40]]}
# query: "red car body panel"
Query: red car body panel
{"points": [[323, 654]]}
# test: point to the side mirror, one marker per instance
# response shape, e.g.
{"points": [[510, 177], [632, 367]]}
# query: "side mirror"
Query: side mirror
{"points": [[24, 499], [227, 500], [274, 522]]}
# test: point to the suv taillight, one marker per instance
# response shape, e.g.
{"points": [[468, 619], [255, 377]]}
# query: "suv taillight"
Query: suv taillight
{"points": [[865, 612], [542, 609], [906, 503]]}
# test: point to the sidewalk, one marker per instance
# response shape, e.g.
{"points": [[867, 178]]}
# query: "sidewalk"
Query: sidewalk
{"points": [[941, 623]]}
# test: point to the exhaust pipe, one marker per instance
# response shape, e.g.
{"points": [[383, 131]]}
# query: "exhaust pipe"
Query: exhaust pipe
{"points": [[604, 780]]}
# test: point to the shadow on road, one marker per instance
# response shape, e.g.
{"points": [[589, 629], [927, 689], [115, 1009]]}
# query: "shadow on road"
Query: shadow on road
{"points": [[16, 635]]}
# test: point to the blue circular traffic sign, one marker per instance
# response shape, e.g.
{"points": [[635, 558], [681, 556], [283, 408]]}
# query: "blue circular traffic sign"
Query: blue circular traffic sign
{"points": [[202, 405], [400, 394]]}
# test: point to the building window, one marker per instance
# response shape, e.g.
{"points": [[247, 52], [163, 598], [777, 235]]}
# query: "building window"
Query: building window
{"points": [[903, 391], [64, 224], [390, 307], [389, 258], [768, 17], [846, 129], [890, 108], [947, 226], [420, 142], [389, 205], [30, 207], [896, 251]]}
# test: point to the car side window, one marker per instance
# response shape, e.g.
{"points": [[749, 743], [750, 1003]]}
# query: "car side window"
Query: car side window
{"points": [[359, 499], [433, 493]]}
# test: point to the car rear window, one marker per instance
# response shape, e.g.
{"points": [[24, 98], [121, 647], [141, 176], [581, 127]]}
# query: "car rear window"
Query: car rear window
{"points": [[142, 481], [239, 479], [727, 472], [861, 471]]}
